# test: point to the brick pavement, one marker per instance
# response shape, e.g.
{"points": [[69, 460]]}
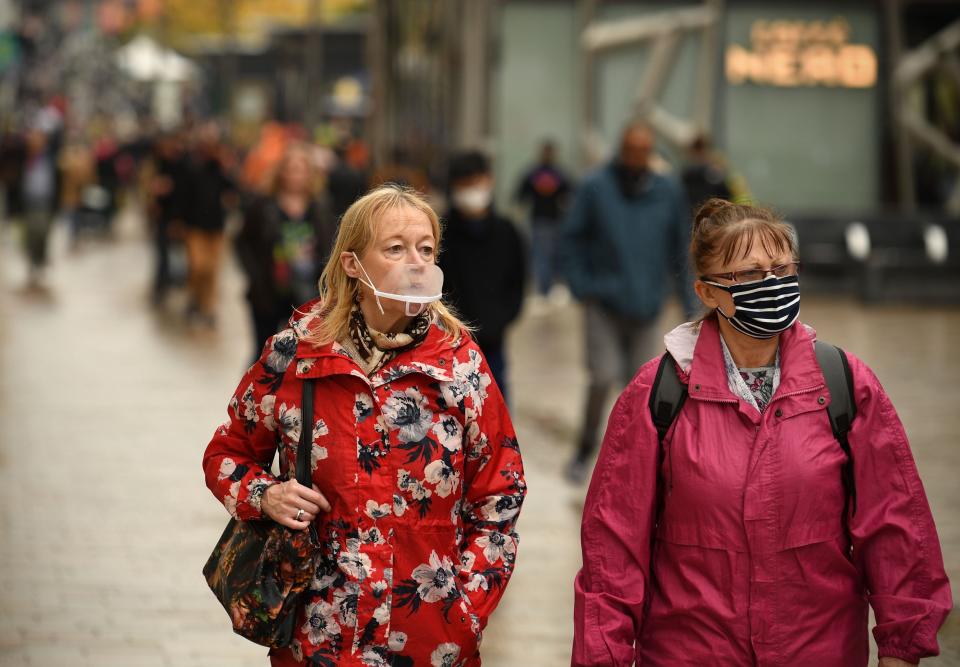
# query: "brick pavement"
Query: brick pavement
{"points": [[105, 409]]}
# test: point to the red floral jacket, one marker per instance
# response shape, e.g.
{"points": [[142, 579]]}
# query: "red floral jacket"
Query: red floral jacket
{"points": [[421, 466]]}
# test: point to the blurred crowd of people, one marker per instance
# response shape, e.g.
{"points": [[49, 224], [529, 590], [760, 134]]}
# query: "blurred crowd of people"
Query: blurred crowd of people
{"points": [[614, 240]]}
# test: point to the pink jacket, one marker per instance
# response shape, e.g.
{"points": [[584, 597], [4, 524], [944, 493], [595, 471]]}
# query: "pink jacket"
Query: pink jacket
{"points": [[749, 564]]}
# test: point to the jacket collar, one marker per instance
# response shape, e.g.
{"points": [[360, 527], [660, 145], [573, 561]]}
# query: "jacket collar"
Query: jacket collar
{"points": [[433, 357], [697, 352]]}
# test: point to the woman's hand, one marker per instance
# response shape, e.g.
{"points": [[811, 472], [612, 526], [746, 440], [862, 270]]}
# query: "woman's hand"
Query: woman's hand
{"points": [[283, 502], [896, 662]]}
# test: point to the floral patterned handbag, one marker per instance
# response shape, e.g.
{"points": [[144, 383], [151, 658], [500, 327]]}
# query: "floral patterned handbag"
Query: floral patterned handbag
{"points": [[260, 569]]}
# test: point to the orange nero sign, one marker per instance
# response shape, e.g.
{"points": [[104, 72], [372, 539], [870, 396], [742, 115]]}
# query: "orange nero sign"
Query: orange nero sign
{"points": [[789, 54]]}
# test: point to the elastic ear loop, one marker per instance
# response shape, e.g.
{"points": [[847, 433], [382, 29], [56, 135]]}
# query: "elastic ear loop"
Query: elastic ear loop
{"points": [[724, 288], [368, 282]]}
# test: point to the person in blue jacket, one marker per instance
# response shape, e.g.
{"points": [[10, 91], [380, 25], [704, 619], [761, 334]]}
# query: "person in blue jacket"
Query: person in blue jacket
{"points": [[622, 245]]}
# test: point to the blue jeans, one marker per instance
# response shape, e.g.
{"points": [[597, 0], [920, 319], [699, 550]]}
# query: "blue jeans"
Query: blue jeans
{"points": [[545, 238]]}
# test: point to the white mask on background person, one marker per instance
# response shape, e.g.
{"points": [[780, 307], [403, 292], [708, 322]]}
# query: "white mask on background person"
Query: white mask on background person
{"points": [[474, 199], [416, 285]]}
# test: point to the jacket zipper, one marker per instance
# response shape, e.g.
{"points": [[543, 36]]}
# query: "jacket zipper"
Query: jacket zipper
{"points": [[796, 393]]}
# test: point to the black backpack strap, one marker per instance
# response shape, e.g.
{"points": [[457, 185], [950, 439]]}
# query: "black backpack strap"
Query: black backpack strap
{"points": [[842, 410], [667, 396], [304, 473]]}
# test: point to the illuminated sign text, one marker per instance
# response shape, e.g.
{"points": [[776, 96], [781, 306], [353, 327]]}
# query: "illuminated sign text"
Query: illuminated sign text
{"points": [[802, 53]]}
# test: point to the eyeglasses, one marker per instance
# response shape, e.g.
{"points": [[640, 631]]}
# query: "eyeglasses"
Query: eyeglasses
{"points": [[753, 275]]}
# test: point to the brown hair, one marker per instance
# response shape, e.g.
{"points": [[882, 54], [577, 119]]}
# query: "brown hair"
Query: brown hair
{"points": [[338, 291], [726, 231]]}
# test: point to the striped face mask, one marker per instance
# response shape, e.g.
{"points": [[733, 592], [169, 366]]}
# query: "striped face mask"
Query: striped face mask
{"points": [[763, 308]]}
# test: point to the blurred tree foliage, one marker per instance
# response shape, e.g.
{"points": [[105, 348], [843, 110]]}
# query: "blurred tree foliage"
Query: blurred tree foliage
{"points": [[182, 22]]}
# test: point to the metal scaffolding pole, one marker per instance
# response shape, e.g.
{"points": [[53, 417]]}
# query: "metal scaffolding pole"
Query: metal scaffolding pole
{"points": [[901, 136], [313, 67]]}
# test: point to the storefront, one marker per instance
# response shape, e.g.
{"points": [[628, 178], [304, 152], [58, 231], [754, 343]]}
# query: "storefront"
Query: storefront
{"points": [[797, 96]]}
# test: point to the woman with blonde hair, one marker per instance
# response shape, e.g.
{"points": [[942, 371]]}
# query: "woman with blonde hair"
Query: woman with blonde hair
{"points": [[744, 529], [417, 476], [285, 239]]}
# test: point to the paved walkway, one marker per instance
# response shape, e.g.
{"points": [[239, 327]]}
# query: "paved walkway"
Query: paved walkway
{"points": [[105, 408]]}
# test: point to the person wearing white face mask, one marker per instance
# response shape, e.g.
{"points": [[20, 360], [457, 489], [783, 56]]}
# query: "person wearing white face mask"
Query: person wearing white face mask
{"points": [[484, 259], [415, 466], [416, 285]]}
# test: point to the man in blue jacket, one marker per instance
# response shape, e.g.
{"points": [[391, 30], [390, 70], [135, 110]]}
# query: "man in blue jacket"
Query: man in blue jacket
{"points": [[625, 239]]}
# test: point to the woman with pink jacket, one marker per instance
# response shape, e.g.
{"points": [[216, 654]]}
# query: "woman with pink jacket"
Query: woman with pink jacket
{"points": [[735, 542]]}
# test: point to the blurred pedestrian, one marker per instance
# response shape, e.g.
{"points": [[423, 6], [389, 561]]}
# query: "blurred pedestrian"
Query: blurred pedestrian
{"points": [[624, 238], [349, 178], [208, 190], [483, 259], [166, 183], [40, 198], [545, 187], [13, 157], [104, 199], [78, 173], [417, 475], [704, 176], [284, 243], [749, 536]]}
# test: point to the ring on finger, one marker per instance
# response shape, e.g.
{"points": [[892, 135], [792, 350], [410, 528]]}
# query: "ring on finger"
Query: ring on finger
{"points": [[299, 516]]}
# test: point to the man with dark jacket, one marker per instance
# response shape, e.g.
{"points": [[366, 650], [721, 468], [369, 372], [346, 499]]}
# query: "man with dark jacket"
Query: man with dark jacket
{"points": [[483, 259], [625, 236]]}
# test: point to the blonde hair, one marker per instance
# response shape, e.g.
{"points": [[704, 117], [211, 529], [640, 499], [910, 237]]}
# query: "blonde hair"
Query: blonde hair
{"points": [[339, 292], [725, 231]]}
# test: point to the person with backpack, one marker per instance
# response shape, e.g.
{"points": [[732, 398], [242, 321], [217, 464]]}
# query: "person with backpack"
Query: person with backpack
{"points": [[750, 516]]}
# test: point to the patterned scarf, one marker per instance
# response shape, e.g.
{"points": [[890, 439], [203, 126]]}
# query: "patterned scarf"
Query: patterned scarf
{"points": [[754, 385], [372, 349]]}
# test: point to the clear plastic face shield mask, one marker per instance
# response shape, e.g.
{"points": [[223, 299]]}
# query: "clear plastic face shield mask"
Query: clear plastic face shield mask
{"points": [[416, 285]]}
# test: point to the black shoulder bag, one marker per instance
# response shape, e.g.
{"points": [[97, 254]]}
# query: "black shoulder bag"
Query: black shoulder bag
{"points": [[259, 569]]}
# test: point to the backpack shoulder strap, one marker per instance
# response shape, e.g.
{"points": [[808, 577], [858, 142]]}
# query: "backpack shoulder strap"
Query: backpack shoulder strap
{"points": [[836, 371], [667, 396], [842, 409]]}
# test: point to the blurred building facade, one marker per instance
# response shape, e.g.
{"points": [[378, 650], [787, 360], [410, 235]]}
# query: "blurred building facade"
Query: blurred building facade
{"points": [[834, 113], [831, 112], [800, 96]]}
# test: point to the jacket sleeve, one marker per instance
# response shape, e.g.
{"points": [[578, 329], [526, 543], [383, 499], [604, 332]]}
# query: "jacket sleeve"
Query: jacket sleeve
{"points": [[494, 490], [894, 539], [236, 463], [616, 536]]}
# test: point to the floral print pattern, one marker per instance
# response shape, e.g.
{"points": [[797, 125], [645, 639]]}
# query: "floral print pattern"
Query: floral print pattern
{"points": [[755, 386], [422, 468]]}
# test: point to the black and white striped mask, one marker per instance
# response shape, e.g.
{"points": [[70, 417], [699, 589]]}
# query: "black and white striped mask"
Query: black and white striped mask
{"points": [[764, 308]]}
